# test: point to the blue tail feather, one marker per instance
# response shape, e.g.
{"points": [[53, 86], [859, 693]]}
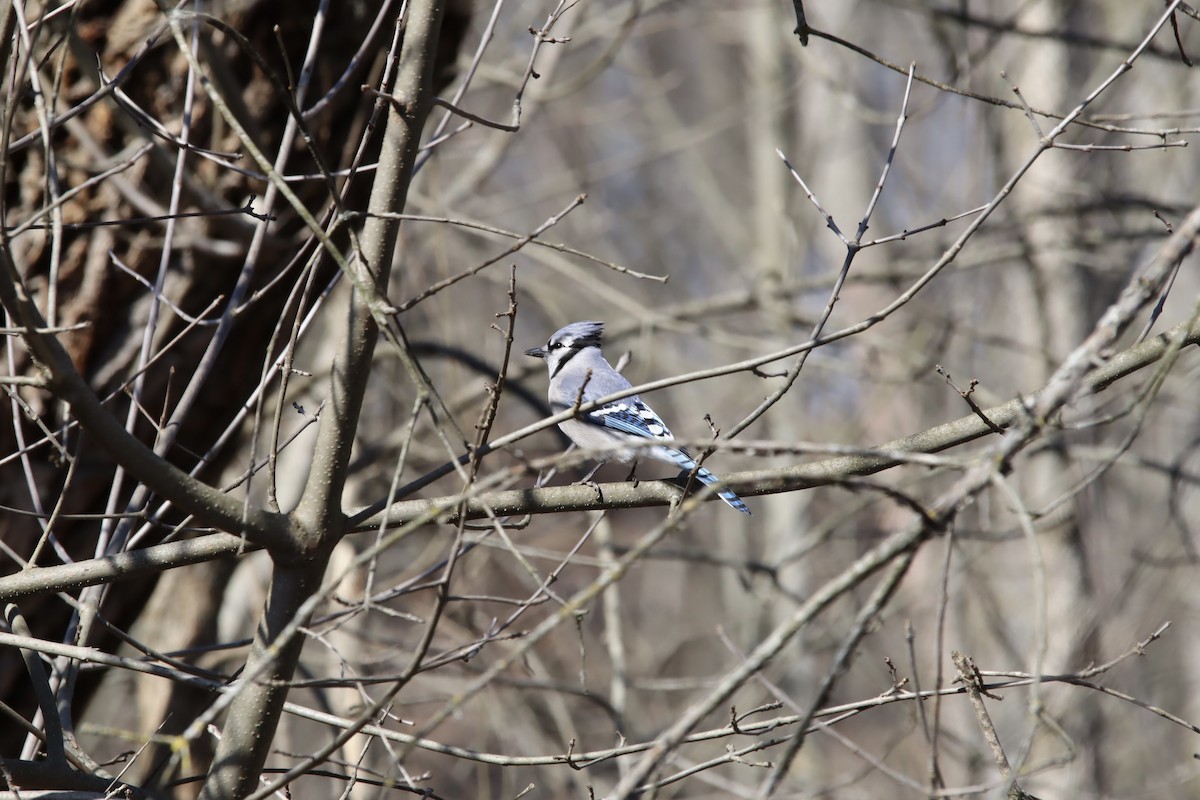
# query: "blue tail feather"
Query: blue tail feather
{"points": [[688, 464]]}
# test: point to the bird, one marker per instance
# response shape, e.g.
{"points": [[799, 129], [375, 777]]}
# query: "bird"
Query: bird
{"points": [[580, 374]]}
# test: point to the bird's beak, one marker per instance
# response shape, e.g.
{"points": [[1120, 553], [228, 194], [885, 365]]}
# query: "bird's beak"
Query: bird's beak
{"points": [[536, 352]]}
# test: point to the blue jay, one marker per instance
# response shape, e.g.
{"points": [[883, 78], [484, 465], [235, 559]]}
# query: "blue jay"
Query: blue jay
{"points": [[580, 374]]}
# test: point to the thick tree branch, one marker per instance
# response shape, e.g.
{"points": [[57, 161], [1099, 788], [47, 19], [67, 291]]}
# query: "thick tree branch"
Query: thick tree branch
{"points": [[130, 564], [254, 715], [321, 503], [319, 521]]}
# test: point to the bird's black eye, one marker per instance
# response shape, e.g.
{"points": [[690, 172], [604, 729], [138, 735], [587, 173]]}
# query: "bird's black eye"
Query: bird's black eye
{"points": [[555, 345]]}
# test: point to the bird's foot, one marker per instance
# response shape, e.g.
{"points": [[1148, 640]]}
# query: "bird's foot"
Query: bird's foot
{"points": [[595, 488], [633, 475], [586, 480]]}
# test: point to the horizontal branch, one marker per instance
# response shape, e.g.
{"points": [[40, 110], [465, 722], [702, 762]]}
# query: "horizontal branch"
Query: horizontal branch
{"points": [[157, 558], [131, 564], [786, 479]]}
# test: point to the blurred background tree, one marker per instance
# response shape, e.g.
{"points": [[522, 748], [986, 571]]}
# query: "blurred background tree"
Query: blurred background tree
{"points": [[562, 642]]}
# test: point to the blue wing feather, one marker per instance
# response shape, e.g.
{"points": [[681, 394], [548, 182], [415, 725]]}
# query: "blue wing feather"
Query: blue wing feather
{"points": [[630, 416]]}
